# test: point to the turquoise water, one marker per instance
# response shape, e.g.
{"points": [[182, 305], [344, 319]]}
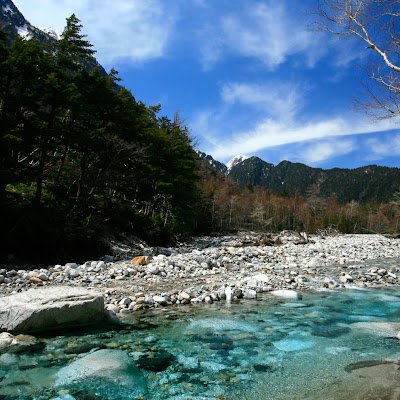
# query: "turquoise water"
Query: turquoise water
{"points": [[269, 349]]}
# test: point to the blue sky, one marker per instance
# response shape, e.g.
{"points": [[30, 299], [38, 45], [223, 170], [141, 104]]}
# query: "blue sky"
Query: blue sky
{"points": [[246, 76]]}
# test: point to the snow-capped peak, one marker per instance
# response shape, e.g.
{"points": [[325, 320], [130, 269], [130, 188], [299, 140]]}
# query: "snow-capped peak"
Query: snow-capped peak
{"points": [[53, 32], [23, 31], [235, 161]]}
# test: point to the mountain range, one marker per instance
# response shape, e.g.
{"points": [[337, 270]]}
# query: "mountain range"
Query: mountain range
{"points": [[364, 184]]}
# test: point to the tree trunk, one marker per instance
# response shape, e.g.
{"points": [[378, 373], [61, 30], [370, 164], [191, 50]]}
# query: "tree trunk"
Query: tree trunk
{"points": [[40, 175]]}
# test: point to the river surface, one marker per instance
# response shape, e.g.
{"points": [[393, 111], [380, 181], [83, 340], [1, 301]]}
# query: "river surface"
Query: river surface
{"points": [[266, 349]]}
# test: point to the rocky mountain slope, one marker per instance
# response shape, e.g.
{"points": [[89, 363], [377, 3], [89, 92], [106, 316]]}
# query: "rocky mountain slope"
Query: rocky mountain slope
{"points": [[369, 183], [15, 25]]}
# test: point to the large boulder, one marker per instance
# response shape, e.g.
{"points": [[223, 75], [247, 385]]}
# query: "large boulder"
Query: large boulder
{"points": [[50, 308], [387, 329], [108, 373]]}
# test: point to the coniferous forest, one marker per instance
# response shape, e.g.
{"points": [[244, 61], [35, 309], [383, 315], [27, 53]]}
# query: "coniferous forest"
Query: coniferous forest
{"points": [[80, 157], [82, 161]]}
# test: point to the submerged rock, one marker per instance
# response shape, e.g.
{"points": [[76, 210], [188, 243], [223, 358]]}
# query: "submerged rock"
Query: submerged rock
{"points": [[108, 373], [330, 331], [388, 329], [220, 325], [156, 362], [15, 344], [293, 344], [363, 364], [51, 308]]}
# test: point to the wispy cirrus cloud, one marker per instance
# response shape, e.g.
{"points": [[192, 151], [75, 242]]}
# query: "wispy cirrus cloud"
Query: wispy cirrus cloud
{"points": [[268, 31], [384, 147], [280, 123], [269, 133], [319, 151], [274, 98], [136, 31]]}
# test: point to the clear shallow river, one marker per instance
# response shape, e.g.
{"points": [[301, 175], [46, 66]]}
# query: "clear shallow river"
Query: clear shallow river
{"points": [[269, 349]]}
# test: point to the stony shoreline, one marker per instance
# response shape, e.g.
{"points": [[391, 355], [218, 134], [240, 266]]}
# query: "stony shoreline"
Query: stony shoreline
{"points": [[211, 268]]}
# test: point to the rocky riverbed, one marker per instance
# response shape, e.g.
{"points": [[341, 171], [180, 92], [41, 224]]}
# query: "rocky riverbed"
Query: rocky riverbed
{"points": [[210, 269]]}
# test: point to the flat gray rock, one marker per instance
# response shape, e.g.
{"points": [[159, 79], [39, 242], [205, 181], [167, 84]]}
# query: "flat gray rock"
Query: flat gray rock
{"points": [[50, 308], [387, 329]]}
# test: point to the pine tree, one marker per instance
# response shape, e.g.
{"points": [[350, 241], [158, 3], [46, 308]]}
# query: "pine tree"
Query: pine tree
{"points": [[73, 49]]}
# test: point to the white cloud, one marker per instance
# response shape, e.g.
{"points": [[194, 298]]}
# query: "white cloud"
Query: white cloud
{"points": [[136, 30], [268, 31], [274, 98], [270, 133], [384, 147], [320, 151], [280, 122]]}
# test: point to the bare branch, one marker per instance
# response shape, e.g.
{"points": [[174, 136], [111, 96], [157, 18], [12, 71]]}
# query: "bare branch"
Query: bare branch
{"points": [[375, 23]]}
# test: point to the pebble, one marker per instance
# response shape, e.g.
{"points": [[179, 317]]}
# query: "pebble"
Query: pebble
{"points": [[250, 294], [223, 268], [160, 299], [153, 269], [42, 276]]}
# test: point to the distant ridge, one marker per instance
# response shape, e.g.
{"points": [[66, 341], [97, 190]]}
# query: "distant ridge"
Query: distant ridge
{"points": [[364, 184]]}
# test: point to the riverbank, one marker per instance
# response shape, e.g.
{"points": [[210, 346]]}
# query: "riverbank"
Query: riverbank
{"points": [[211, 268]]}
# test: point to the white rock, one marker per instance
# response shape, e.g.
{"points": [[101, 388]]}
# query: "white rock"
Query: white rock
{"points": [[50, 308], [345, 278], [315, 262], [5, 340], [42, 276], [13, 344], [205, 265], [112, 307], [184, 295], [73, 273], [208, 300], [250, 294], [285, 293], [125, 301], [160, 299], [153, 269]]}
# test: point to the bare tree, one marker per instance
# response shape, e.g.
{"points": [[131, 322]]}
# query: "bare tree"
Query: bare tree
{"points": [[376, 23], [396, 205]]}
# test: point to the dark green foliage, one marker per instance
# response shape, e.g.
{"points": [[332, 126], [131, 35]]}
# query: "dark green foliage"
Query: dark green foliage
{"points": [[365, 184], [80, 159]]}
